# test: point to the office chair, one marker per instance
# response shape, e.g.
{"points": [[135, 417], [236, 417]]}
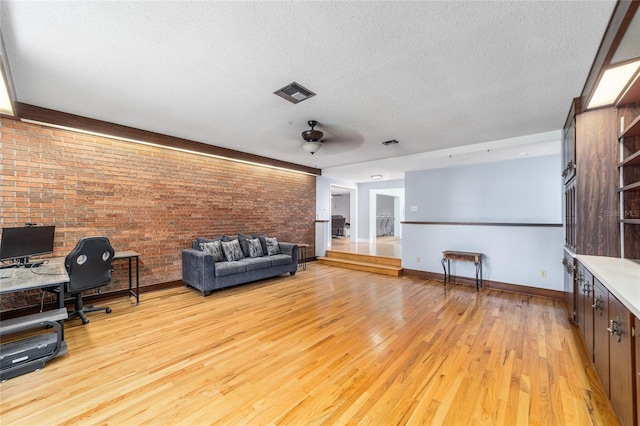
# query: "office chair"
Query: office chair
{"points": [[89, 267]]}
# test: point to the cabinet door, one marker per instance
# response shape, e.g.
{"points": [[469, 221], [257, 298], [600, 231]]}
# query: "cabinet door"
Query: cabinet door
{"points": [[587, 289], [579, 298], [569, 291], [600, 332], [621, 362], [637, 330]]}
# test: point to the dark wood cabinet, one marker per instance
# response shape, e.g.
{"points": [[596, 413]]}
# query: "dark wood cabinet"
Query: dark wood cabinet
{"points": [[597, 176], [584, 309], [629, 190], [636, 329], [621, 367], [569, 142], [601, 332], [570, 215], [569, 283]]}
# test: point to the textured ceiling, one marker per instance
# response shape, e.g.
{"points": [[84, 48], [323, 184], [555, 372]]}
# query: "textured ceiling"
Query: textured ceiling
{"points": [[433, 75]]}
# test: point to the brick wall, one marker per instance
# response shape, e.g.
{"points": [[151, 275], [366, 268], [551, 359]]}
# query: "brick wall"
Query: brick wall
{"points": [[147, 199]]}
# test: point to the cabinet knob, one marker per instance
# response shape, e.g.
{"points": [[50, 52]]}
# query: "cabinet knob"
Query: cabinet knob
{"points": [[615, 328], [597, 305]]}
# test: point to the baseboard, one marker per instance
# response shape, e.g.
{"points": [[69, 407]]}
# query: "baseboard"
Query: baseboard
{"points": [[496, 285]]}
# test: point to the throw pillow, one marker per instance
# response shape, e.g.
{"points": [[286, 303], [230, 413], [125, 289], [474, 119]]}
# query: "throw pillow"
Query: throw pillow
{"points": [[255, 248], [213, 248], [263, 241], [272, 246], [243, 244], [232, 250]]}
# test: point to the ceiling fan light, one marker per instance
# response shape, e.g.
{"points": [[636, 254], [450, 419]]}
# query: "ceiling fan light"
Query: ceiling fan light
{"points": [[312, 146]]}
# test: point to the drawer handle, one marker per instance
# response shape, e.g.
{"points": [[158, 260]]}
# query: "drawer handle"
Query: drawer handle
{"points": [[615, 328]]}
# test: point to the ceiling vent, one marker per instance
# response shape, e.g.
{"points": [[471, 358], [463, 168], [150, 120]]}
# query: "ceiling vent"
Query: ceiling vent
{"points": [[390, 142], [294, 93]]}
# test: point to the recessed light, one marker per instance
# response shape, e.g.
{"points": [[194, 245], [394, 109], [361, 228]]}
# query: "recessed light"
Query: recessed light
{"points": [[376, 176]]}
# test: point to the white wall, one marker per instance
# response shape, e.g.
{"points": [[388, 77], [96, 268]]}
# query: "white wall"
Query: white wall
{"points": [[526, 190], [323, 201], [364, 213], [341, 205]]}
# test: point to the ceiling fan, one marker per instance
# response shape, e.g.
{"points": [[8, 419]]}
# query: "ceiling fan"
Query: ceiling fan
{"points": [[312, 138]]}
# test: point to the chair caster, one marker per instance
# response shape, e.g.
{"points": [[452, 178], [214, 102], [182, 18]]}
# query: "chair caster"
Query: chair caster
{"points": [[85, 321], [108, 310]]}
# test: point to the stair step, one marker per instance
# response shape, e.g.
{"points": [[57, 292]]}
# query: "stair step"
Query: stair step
{"points": [[367, 258], [394, 271]]}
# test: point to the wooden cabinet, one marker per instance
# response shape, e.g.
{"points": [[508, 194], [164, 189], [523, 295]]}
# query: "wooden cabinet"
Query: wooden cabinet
{"points": [[597, 203], [570, 215], [629, 168], [601, 332], [607, 327], [569, 142], [569, 283], [636, 329], [584, 309], [621, 368]]}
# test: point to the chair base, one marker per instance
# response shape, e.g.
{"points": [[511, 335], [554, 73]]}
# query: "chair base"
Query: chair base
{"points": [[81, 313], [80, 310]]}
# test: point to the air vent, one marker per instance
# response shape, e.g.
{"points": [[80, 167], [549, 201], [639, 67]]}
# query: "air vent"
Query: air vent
{"points": [[294, 93], [391, 142]]}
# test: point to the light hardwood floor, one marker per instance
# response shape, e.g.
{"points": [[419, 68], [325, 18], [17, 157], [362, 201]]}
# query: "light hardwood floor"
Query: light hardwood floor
{"points": [[327, 346], [382, 246]]}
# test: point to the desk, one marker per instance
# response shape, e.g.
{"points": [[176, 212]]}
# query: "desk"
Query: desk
{"points": [[302, 255], [128, 254], [51, 274], [476, 258]]}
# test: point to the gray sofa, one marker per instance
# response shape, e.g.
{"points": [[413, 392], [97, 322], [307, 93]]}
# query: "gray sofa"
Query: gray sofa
{"points": [[201, 271]]}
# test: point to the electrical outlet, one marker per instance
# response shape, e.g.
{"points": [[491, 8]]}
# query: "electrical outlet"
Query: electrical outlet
{"points": [[418, 259], [543, 273], [414, 208]]}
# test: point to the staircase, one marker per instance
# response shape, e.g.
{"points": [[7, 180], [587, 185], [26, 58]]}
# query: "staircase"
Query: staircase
{"points": [[363, 262]]}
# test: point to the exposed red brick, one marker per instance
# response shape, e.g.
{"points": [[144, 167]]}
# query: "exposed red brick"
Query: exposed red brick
{"points": [[147, 199]]}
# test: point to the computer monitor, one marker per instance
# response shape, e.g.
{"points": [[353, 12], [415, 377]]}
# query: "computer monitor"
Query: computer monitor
{"points": [[21, 243]]}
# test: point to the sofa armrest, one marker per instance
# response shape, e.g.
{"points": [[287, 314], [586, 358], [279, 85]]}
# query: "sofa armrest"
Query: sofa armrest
{"points": [[290, 249], [198, 270]]}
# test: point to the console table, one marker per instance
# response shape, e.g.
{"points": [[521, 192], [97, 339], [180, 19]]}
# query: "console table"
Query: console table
{"points": [[302, 255], [129, 255], [465, 256]]}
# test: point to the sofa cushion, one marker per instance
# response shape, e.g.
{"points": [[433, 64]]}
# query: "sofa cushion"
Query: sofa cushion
{"points": [[223, 269], [280, 259], [254, 263], [214, 248], [232, 250], [272, 246], [255, 248]]}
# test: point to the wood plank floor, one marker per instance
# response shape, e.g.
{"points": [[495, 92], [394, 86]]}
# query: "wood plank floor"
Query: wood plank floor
{"points": [[382, 246], [327, 346]]}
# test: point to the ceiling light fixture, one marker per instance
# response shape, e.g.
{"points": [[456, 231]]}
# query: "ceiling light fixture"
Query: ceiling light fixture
{"points": [[376, 176], [312, 138]]}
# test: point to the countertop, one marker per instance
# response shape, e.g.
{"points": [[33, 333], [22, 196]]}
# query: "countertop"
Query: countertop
{"points": [[620, 276]]}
